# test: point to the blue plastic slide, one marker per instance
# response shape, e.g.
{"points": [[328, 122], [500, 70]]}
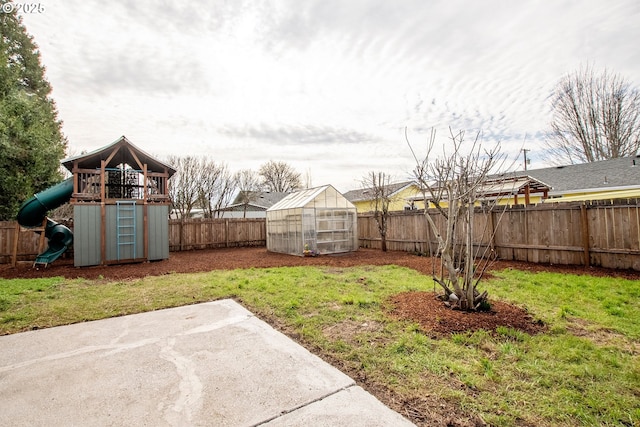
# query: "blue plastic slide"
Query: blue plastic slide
{"points": [[33, 212]]}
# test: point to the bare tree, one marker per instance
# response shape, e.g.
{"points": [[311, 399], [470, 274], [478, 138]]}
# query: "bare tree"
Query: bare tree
{"points": [[184, 186], [216, 186], [595, 117], [378, 184], [227, 185], [279, 177], [453, 184], [249, 187]]}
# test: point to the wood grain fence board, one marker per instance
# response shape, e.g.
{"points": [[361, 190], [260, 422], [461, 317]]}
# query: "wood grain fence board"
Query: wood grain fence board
{"points": [[624, 239], [635, 227], [601, 234]]}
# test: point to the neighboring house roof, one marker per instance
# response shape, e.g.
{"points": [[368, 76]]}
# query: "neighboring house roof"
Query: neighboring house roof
{"points": [[263, 201], [501, 186], [241, 207], [364, 194], [511, 186], [613, 174]]}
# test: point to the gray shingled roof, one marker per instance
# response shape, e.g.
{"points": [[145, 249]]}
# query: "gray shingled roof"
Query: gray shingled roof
{"points": [[264, 200], [367, 193], [621, 172], [268, 199]]}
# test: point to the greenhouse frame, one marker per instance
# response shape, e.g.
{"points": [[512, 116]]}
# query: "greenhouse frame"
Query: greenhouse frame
{"points": [[315, 221]]}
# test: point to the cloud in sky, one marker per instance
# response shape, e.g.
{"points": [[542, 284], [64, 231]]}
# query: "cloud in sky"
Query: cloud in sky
{"points": [[326, 85]]}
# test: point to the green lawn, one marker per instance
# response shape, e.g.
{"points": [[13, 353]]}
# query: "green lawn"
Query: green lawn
{"points": [[584, 371]]}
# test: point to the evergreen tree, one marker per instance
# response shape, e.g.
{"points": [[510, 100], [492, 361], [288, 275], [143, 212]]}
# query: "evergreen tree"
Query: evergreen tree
{"points": [[31, 140]]}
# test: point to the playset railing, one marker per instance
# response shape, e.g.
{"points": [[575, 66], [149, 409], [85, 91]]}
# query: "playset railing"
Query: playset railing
{"points": [[91, 185]]}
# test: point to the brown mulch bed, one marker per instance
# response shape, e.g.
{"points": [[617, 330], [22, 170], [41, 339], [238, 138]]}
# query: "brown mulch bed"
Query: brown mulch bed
{"points": [[421, 307], [438, 320]]}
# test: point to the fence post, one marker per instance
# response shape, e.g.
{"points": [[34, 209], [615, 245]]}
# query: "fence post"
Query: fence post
{"points": [[43, 236], [16, 238], [584, 219], [492, 236], [226, 233], [526, 233], [181, 233], [428, 234]]}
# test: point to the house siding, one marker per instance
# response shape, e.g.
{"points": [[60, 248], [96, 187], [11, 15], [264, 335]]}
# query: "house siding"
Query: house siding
{"points": [[399, 202]]}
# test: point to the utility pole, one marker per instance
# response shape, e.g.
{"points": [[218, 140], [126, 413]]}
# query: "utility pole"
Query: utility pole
{"points": [[526, 161]]}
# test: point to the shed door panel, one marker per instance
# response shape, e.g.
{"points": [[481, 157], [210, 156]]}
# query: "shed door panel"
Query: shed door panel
{"points": [[86, 235], [126, 250], [158, 220]]}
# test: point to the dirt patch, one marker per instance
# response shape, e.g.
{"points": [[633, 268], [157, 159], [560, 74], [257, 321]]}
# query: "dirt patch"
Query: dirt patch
{"points": [[602, 337], [347, 330]]}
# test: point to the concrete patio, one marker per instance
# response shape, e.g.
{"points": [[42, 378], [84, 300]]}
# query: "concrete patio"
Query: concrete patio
{"points": [[212, 364]]}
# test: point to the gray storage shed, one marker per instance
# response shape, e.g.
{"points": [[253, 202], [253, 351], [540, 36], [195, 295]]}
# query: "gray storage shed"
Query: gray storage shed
{"points": [[120, 205], [313, 221]]}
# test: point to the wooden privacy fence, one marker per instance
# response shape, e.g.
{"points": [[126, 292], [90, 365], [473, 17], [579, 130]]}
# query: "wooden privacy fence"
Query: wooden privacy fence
{"points": [[28, 243], [602, 234], [183, 235], [216, 233]]}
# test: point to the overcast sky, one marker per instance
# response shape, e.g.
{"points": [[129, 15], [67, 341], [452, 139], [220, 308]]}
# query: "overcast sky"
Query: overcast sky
{"points": [[325, 85]]}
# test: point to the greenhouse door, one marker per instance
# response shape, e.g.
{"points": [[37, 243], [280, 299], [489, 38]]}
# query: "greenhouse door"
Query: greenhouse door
{"points": [[309, 230], [334, 231]]}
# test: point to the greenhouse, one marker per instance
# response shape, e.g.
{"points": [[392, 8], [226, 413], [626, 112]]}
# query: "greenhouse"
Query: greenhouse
{"points": [[315, 221]]}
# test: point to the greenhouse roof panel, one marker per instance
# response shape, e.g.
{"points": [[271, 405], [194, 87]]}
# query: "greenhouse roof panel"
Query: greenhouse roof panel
{"points": [[299, 199]]}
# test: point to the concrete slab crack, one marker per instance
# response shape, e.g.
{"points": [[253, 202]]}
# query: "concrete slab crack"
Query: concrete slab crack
{"points": [[311, 402], [189, 399]]}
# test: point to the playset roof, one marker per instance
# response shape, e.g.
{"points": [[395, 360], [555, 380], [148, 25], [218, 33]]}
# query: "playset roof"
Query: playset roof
{"points": [[119, 152]]}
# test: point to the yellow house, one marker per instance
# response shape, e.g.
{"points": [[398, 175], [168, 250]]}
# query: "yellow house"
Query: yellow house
{"points": [[404, 196]]}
